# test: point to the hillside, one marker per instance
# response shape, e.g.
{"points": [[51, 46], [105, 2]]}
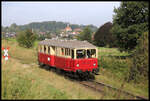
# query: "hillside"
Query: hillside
{"points": [[52, 26]]}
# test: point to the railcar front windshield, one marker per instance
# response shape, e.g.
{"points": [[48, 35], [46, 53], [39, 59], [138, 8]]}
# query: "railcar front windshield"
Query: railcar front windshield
{"points": [[86, 53]]}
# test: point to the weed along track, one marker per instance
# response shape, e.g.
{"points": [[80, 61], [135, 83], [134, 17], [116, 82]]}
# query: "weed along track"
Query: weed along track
{"points": [[101, 87]]}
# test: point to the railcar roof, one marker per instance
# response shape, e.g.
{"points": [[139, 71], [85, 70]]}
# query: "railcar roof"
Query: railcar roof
{"points": [[67, 43]]}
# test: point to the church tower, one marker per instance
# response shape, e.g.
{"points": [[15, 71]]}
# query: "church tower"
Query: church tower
{"points": [[68, 28]]}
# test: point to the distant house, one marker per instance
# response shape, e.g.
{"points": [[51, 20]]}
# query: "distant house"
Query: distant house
{"points": [[53, 35], [42, 33], [66, 32], [10, 34], [68, 28], [75, 33], [78, 30]]}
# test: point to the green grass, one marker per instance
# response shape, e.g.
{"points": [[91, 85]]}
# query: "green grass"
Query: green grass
{"points": [[102, 51], [23, 88], [16, 86], [11, 39], [21, 53], [118, 66]]}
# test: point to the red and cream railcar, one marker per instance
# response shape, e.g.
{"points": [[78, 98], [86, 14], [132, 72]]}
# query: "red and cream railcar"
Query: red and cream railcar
{"points": [[69, 55]]}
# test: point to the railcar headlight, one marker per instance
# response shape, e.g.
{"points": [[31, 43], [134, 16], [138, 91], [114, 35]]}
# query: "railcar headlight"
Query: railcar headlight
{"points": [[94, 64], [48, 59], [77, 65]]}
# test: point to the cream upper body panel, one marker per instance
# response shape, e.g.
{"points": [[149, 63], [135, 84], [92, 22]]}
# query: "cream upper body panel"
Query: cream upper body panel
{"points": [[65, 49]]}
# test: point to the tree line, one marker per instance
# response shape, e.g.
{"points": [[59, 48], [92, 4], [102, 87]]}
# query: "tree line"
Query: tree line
{"points": [[50, 26]]}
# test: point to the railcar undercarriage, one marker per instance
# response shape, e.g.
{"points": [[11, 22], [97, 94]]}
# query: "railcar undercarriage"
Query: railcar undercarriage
{"points": [[78, 75]]}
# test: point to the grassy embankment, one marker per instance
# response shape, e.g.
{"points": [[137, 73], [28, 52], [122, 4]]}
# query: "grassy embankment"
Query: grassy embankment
{"points": [[23, 79], [114, 67]]}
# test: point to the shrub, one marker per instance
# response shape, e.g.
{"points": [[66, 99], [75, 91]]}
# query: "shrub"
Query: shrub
{"points": [[117, 66], [26, 38], [139, 70], [103, 36]]}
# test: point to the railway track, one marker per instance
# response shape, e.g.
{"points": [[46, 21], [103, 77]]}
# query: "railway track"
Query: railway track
{"points": [[100, 87]]}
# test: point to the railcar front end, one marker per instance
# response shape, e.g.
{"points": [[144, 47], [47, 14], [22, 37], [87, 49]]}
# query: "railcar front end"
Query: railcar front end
{"points": [[86, 61]]}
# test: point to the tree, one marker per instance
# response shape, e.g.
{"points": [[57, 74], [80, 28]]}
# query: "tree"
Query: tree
{"points": [[48, 35], [129, 22], [103, 36], [26, 38], [85, 34], [139, 70], [41, 37], [13, 27]]}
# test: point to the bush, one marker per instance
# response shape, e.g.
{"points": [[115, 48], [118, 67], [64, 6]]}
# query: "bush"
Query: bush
{"points": [[103, 36], [117, 66], [26, 38], [139, 70], [85, 34]]}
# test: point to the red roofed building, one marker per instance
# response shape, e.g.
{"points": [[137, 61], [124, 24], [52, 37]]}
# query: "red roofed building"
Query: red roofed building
{"points": [[67, 29], [78, 30]]}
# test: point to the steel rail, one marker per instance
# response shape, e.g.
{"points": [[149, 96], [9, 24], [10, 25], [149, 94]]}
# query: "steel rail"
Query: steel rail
{"points": [[99, 86]]}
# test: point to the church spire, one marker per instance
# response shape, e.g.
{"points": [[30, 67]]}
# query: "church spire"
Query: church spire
{"points": [[67, 25]]}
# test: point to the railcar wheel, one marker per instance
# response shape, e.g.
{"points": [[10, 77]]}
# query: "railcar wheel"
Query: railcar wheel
{"points": [[40, 64], [91, 76]]}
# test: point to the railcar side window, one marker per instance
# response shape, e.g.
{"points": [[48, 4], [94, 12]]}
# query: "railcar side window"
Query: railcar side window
{"points": [[72, 55], [44, 49], [91, 53], [81, 53], [53, 47], [67, 51], [48, 50], [62, 51], [40, 48]]}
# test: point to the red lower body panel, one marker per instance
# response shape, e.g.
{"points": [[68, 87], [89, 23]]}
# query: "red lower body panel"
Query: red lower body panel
{"points": [[67, 63]]}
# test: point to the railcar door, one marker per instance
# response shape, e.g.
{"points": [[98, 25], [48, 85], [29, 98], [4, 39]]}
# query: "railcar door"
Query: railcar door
{"points": [[67, 58], [72, 59], [52, 52]]}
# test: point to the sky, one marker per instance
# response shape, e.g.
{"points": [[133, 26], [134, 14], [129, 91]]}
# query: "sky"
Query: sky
{"points": [[95, 13]]}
